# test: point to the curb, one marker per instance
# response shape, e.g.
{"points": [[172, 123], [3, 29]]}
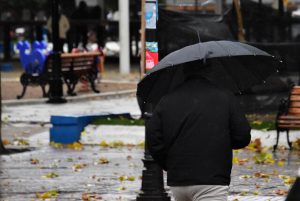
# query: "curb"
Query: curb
{"points": [[71, 99]]}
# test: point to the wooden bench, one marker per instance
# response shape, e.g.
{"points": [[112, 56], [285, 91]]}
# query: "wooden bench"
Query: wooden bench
{"points": [[74, 66], [288, 116]]}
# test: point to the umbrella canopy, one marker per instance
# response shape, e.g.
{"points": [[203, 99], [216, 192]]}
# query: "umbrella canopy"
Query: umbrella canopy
{"points": [[234, 65]]}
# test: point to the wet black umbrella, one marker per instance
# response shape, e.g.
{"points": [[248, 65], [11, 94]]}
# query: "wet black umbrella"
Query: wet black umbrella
{"points": [[235, 65]]}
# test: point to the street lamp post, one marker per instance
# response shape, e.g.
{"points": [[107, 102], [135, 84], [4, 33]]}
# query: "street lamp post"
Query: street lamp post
{"points": [[152, 179], [55, 82]]}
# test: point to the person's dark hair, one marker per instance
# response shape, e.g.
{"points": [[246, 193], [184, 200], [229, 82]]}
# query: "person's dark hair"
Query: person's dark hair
{"points": [[197, 68]]}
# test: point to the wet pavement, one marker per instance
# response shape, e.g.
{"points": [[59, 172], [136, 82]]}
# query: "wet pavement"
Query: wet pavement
{"points": [[108, 166]]}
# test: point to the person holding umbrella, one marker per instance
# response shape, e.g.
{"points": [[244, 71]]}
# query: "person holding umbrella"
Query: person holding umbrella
{"points": [[192, 133], [193, 120]]}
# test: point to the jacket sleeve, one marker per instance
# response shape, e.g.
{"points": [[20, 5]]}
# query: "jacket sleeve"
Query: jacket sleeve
{"points": [[154, 137], [239, 126]]}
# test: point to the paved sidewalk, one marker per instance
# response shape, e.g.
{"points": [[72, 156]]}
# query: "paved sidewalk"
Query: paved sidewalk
{"points": [[113, 172], [112, 82]]}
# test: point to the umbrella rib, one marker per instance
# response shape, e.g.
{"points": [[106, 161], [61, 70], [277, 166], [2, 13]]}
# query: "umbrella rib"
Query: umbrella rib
{"points": [[223, 48]]}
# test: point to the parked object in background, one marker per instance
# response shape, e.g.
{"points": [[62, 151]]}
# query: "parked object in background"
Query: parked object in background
{"points": [[76, 66], [38, 65], [288, 116], [33, 65]]}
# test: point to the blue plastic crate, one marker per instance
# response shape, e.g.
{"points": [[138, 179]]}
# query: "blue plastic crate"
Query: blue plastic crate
{"points": [[67, 129]]}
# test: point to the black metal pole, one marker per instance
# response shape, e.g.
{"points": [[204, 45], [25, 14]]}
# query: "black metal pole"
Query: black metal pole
{"points": [[152, 179], [55, 80], [6, 42]]}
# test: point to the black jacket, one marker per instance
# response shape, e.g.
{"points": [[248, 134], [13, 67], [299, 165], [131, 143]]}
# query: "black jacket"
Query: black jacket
{"points": [[192, 133]]}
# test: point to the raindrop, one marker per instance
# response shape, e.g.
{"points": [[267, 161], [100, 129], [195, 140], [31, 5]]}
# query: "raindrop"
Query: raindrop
{"points": [[264, 81], [277, 71]]}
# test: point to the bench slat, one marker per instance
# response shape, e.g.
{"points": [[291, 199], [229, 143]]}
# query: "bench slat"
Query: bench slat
{"points": [[294, 98], [283, 117], [294, 110], [75, 55], [295, 103], [289, 121], [289, 126]]}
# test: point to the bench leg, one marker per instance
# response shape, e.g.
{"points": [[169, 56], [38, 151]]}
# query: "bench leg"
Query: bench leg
{"points": [[288, 139], [71, 83], [23, 92], [277, 139], [92, 79], [44, 91], [24, 81]]}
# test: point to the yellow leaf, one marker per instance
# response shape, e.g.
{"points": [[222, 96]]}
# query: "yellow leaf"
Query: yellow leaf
{"points": [[131, 178], [83, 133], [243, 193], [117, 143], [255, 193], [235, 160], [245, 177], [51, 175], [122, 188], [75, 146], [122, 178], [141, 144], [21, 141], [47, 195], [103, 143], [78, 167], [280, 163]]}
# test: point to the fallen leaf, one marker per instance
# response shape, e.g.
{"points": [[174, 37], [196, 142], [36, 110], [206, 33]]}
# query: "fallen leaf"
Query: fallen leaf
{"points": [[263, 158], [20, 141], [280, 163], [280, 192], [243, 193], [122, 178], [122, 188], [75, 146], [245, 176], [103, 160], [51, 175], [78, 167], [103, 143], [47, 195], [261, 175], [5, 142], [34, 161]]}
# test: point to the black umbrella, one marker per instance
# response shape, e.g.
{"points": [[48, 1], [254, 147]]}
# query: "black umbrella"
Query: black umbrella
{"points": [[235, 65]]}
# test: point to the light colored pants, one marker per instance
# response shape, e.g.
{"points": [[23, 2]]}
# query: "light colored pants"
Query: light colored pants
{"points": [[200, 193]]}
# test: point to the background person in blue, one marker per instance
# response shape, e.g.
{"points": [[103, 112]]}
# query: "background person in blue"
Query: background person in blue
{"points": [[192, 133]]}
